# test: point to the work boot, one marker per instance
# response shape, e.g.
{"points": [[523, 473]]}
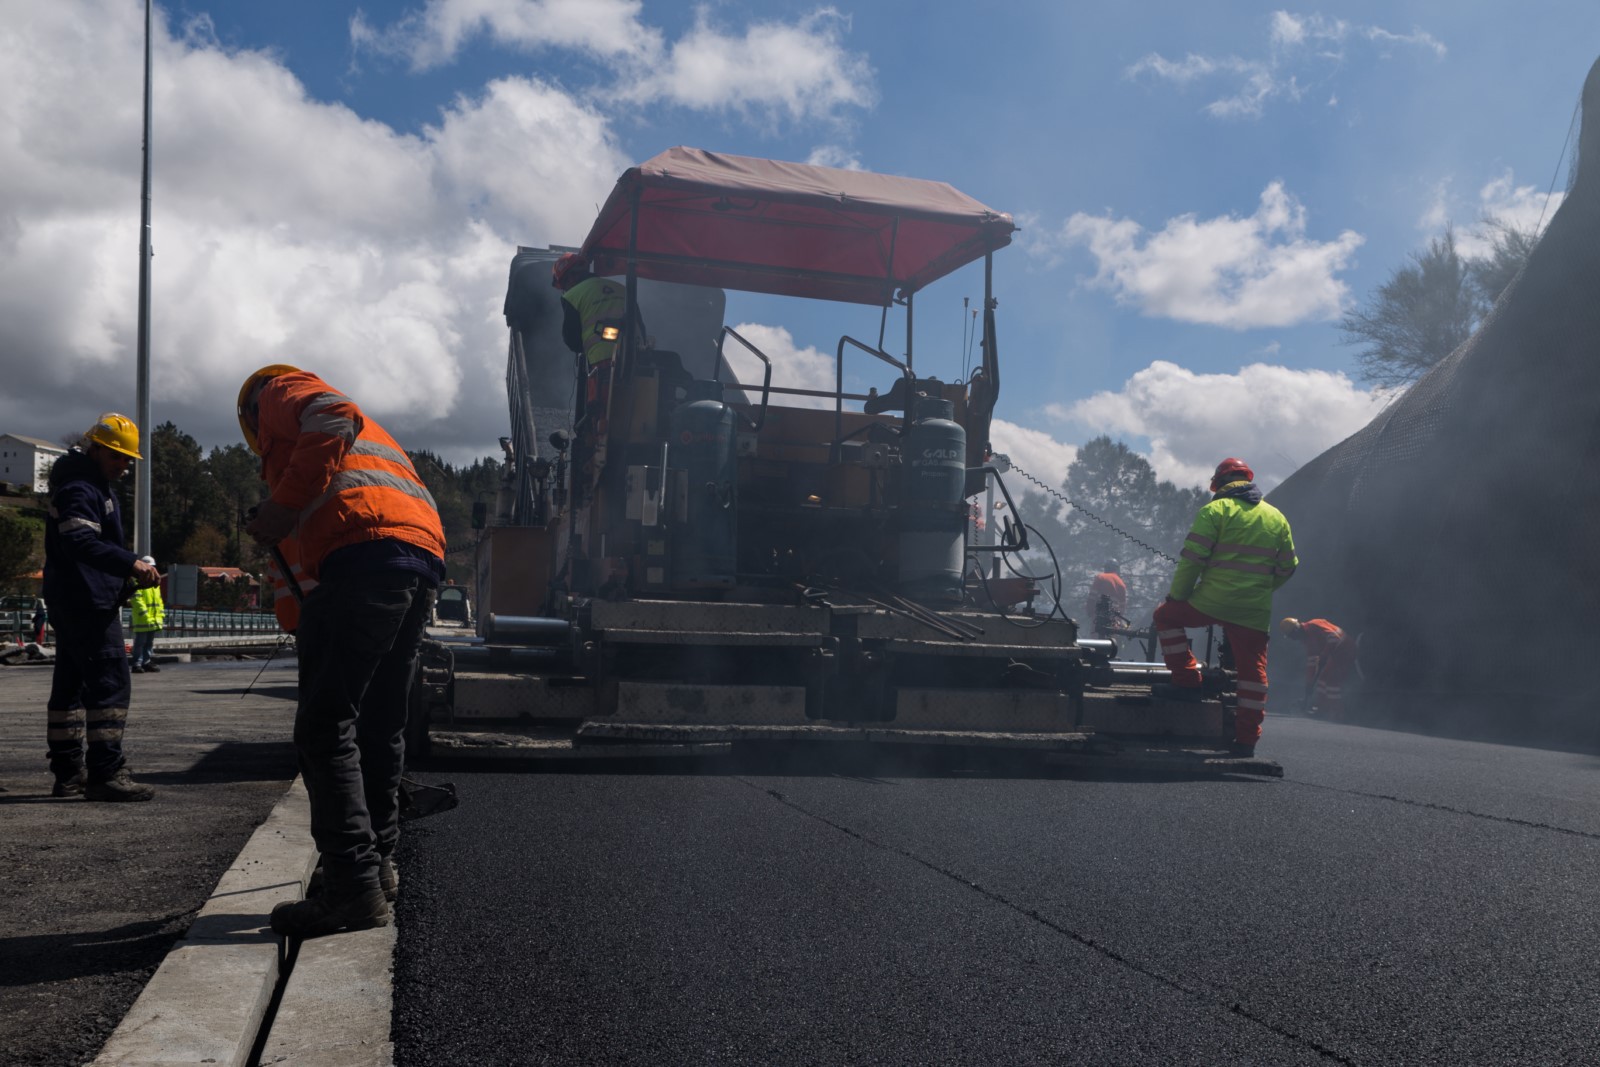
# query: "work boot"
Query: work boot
{"points": [[70, 786], [388, 879], [328, 915], [1240, 750], [151, 668], [119, 787], [1185, 694], [135, 669]]}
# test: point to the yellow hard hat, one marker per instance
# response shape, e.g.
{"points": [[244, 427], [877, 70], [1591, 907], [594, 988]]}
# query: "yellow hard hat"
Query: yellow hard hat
{"points": [[272, 370], [116, 432], [1289, 627]]}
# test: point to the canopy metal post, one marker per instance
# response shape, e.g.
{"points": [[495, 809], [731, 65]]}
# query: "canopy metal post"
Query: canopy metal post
{"points": [[909, 298]]}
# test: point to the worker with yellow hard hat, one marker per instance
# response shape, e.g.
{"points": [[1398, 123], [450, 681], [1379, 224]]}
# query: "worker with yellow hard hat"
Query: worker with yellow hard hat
{"points": [[87, 570], [348, 512]]}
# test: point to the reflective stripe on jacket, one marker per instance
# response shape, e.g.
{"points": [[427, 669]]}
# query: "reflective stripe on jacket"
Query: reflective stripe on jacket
{"points": [[348, 479], [148, 612], [598, 301], [85, 563], [1236, 554]]}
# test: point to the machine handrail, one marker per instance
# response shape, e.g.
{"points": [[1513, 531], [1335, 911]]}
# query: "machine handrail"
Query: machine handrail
{"points": [[839, 395], [766, 383]]}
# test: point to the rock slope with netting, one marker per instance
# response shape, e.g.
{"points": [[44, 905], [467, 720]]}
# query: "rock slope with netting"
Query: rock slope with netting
{"points": [[1459, 532]]}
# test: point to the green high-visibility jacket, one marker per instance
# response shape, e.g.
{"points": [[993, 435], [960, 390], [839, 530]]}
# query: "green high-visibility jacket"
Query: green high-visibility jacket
{"points": [[149, 613], [599, 302], [1236, 554]]}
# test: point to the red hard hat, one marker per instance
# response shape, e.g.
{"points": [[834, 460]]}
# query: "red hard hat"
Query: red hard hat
{"points": [[561, 275], [1231, 470]]}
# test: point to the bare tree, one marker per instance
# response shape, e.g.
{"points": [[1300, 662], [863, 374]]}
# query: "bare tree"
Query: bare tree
{"points": [[1431, 305], [1420, 315], [1511, 246]]}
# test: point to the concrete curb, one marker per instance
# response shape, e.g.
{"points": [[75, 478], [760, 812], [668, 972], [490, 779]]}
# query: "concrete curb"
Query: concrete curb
{"points": [[206, 1001], [337, 1004]]}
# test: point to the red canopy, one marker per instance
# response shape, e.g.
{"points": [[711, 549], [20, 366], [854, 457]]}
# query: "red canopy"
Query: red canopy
{"points": [[759, 225]]}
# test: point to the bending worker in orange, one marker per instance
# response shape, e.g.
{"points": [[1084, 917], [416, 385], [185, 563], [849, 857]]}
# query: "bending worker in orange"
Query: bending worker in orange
{"points": [[1108, 586], [367, 531], [1330, 655], [1238, 551]]}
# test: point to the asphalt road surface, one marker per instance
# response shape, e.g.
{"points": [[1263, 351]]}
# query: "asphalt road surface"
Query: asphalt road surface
{"points": [[93, 895], [1395, 899]]}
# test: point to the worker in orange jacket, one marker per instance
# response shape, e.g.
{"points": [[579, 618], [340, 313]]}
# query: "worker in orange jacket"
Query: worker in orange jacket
{"points": [[1330, 657], [367, 532], [1109, 587]]}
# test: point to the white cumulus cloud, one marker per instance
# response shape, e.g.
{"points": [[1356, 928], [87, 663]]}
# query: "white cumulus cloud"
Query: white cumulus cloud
{"points": [[1299, 47], [1239, 272], [769, 70], [435, 34], [794, 366], [1273, 417], [285, 229], [1033, 451]]}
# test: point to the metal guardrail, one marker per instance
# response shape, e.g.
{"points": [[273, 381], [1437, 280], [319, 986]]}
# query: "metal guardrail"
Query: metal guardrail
{"points": [[188, 622], [180, 622]]}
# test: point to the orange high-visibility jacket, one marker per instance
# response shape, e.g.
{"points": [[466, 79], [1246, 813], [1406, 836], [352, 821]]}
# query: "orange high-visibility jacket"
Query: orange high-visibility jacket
{"points": [[1320, 637], [1110, 584], [285, 605], [345, 476]]}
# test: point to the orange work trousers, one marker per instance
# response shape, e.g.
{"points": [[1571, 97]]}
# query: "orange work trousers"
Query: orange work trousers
{"points": [[1340, 660], [1173, 617]]}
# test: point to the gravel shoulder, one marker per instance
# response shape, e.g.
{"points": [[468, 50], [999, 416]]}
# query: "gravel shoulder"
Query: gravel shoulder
{"points": [[93, 895]]}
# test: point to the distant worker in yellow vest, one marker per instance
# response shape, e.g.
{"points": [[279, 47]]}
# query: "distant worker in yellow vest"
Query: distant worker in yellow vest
{"points": [[592, 313], [149, 616]]}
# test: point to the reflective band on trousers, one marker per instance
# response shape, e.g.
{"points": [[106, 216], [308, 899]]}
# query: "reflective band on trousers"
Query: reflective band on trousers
{"points": [[1252, 695]]}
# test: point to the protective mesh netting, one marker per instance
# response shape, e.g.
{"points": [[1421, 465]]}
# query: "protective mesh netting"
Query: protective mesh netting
{"points": [[1459, 532]]}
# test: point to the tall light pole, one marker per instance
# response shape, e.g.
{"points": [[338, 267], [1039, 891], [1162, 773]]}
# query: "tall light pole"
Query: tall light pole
{"points": [[141, 483]]}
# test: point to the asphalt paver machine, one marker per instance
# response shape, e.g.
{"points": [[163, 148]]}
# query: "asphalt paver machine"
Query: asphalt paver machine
{"points": [[688, 559]]}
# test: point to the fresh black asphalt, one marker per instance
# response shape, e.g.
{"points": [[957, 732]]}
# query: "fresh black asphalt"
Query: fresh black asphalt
{"points": [[1394, 899]]}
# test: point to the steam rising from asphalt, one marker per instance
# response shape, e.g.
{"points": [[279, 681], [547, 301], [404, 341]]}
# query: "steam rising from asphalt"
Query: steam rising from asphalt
{"points": [[1455, 533]]}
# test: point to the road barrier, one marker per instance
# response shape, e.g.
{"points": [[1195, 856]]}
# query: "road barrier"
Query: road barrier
{"points": [[17, 626]]}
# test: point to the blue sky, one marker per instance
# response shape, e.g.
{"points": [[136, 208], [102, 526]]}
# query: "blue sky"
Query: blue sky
{"points": [[1203, 189]]}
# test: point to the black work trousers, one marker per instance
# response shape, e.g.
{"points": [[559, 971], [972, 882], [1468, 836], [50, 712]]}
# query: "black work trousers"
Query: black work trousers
{"points": [[89, 692], [357, 643]]}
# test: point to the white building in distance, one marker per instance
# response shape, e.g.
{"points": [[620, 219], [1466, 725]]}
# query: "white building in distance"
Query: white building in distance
{"points": [[26, 461]]}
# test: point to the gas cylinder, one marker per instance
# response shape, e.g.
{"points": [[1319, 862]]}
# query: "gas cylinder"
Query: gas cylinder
{"points": [[932, 518], [702, 443]]}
